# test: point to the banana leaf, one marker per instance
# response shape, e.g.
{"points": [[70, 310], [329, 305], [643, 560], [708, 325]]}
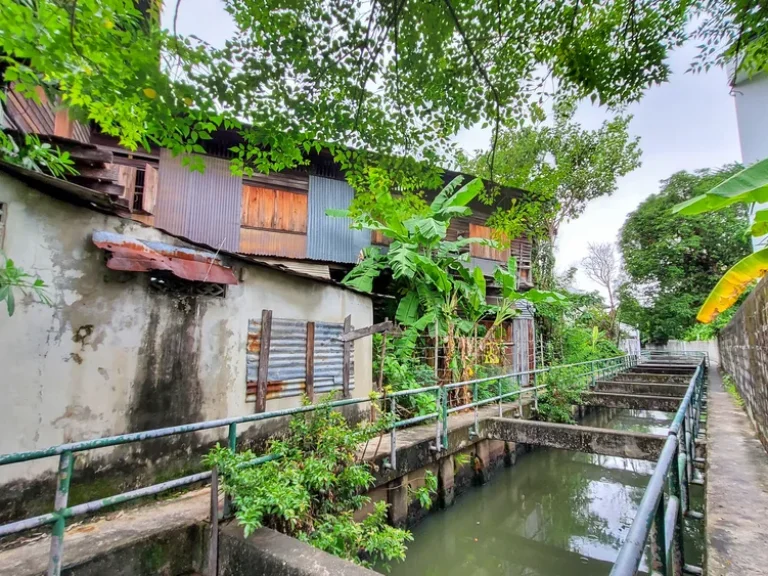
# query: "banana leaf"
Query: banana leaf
{"points": [[733, 284], [748, 186]]}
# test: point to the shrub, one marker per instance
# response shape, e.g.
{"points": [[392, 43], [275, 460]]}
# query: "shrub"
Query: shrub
{"points": [[312, 491]]}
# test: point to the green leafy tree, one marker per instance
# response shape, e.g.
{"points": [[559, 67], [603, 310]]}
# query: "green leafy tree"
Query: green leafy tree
{"points": [[562, 167], [673, 263], [399, 77]]}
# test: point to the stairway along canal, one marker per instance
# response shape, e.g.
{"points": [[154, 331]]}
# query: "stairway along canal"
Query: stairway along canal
{"points": [[554, 513]]}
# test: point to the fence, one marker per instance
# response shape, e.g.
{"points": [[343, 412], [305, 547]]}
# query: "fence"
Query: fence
{"points": [[663, 517], [508, 386], [709, 347]]}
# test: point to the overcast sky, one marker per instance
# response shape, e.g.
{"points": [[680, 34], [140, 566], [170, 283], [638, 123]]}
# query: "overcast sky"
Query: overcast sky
{"points": [[686, 124]]}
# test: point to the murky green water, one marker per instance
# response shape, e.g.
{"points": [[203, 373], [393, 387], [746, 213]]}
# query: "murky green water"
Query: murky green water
{"points": [[554, 513]]}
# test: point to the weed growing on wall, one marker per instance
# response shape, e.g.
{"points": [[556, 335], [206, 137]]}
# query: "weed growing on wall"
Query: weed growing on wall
{"points": [[730, 386], [315, 486]]}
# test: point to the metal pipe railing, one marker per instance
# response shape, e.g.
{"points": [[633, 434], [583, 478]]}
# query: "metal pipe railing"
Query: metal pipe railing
{"points": [[589, 371], [659, 517]]}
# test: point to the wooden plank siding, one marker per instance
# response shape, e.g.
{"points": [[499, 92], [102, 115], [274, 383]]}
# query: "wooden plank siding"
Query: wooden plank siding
{"points": [[43, 117]]}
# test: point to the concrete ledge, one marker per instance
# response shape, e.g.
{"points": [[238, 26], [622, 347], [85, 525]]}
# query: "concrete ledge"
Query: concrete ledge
{"points": [[271, 553], [578, 438], [628, 401], [640, 388], [653, 377]]}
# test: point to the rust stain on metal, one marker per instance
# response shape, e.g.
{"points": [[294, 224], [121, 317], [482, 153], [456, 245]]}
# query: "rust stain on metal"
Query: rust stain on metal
{"points": [[134, 255]]}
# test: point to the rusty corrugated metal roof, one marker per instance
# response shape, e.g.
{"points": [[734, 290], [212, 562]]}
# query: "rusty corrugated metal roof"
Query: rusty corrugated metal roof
{"points": [[134, 255]]}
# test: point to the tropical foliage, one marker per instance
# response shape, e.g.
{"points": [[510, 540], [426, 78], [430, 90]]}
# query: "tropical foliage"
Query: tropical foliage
{"points": [[313, 487], [673, 263], [13, 278]]}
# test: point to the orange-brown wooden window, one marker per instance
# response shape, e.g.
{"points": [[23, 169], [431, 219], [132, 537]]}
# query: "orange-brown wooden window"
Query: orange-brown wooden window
{"points": [[273, 209], [481, 251]]}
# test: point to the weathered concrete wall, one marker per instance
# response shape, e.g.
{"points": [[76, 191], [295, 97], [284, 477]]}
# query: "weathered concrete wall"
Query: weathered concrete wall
{"points": [[744, 355], [113, 356]]}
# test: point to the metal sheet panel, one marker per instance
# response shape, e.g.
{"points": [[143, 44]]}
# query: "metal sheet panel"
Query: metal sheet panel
{"points": [[272, 243], [288, 358], [521, 330], [331, 239], [204, 208]]}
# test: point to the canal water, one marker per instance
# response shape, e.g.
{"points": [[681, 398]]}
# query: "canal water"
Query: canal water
{"points": [[555, 513]]}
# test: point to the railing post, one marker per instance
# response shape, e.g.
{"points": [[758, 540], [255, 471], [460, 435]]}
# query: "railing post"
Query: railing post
{"points": [[519, 397], [213, 539], [476, 428], [232, 437], [63, 479], [445, 418], [658, 553], [678, 540], [682, 471], [500, 398], [393, 434], [439, 410]]}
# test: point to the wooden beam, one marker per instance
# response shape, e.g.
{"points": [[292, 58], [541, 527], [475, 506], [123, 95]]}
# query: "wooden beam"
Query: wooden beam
{"points": [[310, 378], [385, 326], [347, 350], [266, 340]]}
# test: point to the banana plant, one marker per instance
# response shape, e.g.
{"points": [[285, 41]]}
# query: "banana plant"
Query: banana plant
{"points": [[437, 286], [748, 186]]}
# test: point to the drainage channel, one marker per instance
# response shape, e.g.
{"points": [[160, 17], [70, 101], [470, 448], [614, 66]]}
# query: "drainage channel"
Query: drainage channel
{"points": [[554, 513]]}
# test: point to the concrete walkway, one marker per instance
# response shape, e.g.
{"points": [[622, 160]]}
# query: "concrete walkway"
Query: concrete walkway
{"points": [[737, 489]]}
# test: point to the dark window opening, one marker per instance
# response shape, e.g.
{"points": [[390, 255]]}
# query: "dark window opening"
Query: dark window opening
{"points": [[138, 189], [166, 283]]}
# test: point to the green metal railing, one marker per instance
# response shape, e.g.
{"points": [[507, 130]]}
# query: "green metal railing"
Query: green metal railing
{"points": [[658, 516], [585, 371]]}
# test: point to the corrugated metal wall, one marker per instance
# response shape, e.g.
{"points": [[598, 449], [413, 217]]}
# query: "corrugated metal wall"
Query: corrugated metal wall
{"points": [[331, 239], [204, 207], [287, 375], [523, 347]]}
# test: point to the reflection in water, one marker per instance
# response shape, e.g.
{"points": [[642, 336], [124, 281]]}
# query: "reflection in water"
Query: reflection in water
{"points": [[554, 513]]}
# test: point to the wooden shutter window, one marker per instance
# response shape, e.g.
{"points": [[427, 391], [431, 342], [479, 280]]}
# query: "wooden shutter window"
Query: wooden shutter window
{"points": [[273, 209], [126, 177], [486, 252], [150, 189]]}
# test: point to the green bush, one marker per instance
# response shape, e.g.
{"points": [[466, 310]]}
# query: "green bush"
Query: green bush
{"points": [[312, 491]]}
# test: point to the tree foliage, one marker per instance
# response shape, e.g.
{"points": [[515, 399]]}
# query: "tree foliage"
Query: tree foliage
{"points": [[674, 262], [382, 78], [562, 167]]}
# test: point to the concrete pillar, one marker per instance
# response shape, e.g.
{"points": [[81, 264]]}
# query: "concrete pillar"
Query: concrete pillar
{"points": [[398, 501], [445, 474], [510, 453], [482, 460]]}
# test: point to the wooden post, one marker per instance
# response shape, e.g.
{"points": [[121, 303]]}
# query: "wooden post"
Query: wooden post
{"points": [[347, 349], [380, 381], [266, 340], [310, 389]]}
